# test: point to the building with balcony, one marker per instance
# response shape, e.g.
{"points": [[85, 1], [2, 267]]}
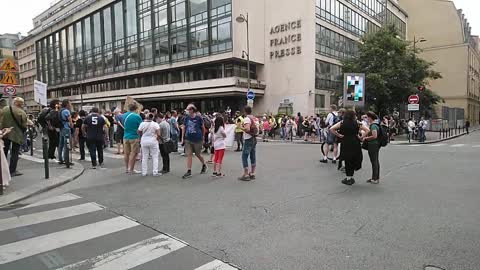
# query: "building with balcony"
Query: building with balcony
{"points": [[167, 53], [455, 51], [27, 68]]}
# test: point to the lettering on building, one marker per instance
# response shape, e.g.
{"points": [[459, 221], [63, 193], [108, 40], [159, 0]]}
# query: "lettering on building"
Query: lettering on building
{"points": [[286, 39]]}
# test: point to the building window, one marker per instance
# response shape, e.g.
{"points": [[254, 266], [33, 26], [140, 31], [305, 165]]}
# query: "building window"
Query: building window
{"points": [[328, 76], [131, 31], [221, 25], [319, 101], [178, 28], [199, 38], [119, 49], [332, 44]]}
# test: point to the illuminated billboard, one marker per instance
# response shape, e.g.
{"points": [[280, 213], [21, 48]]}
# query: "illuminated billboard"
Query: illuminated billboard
{"points": [[354, 89]]}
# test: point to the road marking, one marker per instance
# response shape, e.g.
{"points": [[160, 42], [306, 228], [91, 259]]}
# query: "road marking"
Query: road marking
{"points": [[476, 146], [458, 145], [45, 216], [130, 256], [215, 265], [33, 246], [437, 145], [34, 159], [414, 145], [62, 198]]}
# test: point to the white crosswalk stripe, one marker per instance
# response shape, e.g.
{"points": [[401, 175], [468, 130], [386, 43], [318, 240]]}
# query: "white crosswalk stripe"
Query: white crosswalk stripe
{"points": [[437, 145], [30, 235], [458, 145], [476, 146]]}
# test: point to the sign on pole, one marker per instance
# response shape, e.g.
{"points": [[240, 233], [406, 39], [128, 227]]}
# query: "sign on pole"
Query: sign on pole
{"points": [[8, 65], [413, 99], [354, 89], [10, 90], [9, 78], [40, 92], [250, 95], [413, 107]]}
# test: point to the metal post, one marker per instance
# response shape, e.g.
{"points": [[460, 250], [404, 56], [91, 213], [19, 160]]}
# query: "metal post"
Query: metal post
{"points": [[1, 174], [67, 152], [248, 55], [30, 133], [45, 153]]}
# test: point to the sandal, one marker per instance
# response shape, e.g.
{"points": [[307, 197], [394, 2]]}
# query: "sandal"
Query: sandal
{"points": [[244, 178], [252, 176]]}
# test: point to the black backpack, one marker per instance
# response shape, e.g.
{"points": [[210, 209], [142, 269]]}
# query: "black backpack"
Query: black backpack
{"points": [[382, 135], [42, 117], [207, 122], [53, 119]]}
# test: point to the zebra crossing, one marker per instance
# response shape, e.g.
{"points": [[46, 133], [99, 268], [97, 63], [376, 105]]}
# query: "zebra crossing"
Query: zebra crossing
{"points": [[444, 145], [67, 232]]}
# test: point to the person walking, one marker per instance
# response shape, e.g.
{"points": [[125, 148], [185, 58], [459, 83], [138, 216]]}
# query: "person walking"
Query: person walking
{"points": [[149, 131], [266, 129], [219, 146], [238, 131], [14, 119], [348, 131], [131, 139], [250, 131], [467, 126], [93, 128], [82, 140], [332, 119], [119, 132], [65, 132], [5, 167], [373, 146], [165, 139], [174, 130], [53, 127], [193, 137]]}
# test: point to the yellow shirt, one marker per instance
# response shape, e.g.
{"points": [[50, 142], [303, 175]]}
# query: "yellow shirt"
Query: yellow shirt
{"points": [[238, 122]]}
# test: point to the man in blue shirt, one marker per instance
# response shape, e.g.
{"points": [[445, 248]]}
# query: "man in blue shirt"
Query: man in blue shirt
{"points": [[131, 139], [65, 132], [192, 136]]}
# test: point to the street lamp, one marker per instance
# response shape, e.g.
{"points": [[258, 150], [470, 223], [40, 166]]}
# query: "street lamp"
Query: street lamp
{"points": [[415, 41], [244, 19]]}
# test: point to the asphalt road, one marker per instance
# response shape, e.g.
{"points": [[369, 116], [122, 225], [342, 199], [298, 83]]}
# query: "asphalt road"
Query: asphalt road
{"points": [[297, 214]]}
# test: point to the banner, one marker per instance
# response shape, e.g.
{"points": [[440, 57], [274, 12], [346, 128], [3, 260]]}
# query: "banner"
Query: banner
{"points": [[230, 130], [129, 101], [40, 92]]}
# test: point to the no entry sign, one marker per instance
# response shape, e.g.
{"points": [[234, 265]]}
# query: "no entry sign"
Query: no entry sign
{"points": [[414, 99]]}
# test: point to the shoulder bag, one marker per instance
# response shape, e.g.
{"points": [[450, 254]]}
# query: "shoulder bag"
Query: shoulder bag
{"points": [[23, 129]]}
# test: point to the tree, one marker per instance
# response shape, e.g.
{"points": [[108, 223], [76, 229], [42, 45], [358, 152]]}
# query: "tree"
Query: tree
{"points": [[393, 71]]}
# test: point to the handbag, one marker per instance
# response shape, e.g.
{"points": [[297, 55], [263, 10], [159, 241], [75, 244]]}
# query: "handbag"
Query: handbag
{"points": [[169, 146], [365, 145]]}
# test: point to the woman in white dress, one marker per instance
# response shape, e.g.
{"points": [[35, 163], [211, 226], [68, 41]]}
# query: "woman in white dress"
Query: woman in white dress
{"points": [[5, 169]]}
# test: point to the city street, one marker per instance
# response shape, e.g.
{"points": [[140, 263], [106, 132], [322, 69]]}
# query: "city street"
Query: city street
{"points": [[296, 215]]}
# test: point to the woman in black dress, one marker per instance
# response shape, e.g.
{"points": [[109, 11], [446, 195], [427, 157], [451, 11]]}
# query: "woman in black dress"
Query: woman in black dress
{"points": [[351, 151]]}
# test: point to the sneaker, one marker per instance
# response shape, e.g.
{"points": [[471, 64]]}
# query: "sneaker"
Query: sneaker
{"points": [[244, 178], [94, 167], [334, 161], [164, 172], [157, 174], [187, 175], [16, 173], [348, 182], [136, 172], [81, 159], [204, 169], [214, 175], [323, 161]]}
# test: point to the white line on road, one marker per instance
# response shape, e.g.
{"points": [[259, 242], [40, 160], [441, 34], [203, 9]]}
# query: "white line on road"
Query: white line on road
{"points": [[62, 198], [458, 145], [130, 256], [437, 145], [476, 146], [45, 216], [33, 246], [215, 265]]}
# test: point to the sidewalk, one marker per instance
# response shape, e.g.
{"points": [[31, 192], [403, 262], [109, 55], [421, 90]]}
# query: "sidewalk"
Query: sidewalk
{"points": [[33, 181], [432, 137]]}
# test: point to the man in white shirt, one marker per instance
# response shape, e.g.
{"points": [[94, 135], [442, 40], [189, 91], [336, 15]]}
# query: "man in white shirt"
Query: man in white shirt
{"points": [[411, 127], [332, 119], [422, 127]]}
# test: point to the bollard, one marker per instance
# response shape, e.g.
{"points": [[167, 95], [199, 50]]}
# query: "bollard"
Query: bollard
{"points": [[45, 154], [67, 152], [30, 133]]}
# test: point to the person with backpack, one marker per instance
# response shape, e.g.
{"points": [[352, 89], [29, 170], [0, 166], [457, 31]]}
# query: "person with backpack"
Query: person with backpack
{"points": [[49, 119], [332, 119], [193, 137], [250, 129], [65, 132], [93, 128], [82, 139], [373, 146]]}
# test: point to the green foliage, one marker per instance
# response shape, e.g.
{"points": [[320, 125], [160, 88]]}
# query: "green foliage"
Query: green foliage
{"points": [[393, 71]]}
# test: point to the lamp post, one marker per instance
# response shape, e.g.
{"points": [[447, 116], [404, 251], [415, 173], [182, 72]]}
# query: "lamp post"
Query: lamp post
{"points": [[415, 41], [244, 19]]}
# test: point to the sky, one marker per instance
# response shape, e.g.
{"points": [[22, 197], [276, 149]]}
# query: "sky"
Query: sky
{"points": [[17, 15]]}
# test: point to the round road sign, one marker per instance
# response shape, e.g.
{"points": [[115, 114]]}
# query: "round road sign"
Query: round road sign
{"points": [[414, 99], [10, 90], [250, 95]]}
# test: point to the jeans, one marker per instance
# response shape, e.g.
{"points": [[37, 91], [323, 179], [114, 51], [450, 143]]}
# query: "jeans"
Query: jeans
{"points": [[239, 139], [62, 146], [13, 155], [165, 158], [53, 139], [421, 134], [95, 146], [81, 144], [174, 138], [249, 149], [373, 153], [149, 149], [283, 133]]}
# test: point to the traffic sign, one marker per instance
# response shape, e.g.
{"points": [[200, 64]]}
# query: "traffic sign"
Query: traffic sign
{"points": [[414, 99], [413, 107], [250, 95], [8, 65], [9, 90], [9, 78]]}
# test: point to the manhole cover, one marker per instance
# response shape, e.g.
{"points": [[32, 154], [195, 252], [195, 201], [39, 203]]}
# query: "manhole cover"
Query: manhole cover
{"points": [[432, 267]]}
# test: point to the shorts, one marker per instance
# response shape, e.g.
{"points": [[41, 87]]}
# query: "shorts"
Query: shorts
{"points": [[193, 147], [119, 135], [131, 146], [331, 138], [218, 157]]}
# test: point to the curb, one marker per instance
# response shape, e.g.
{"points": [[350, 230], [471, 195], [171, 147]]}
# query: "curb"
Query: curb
{"points": [[436, 141], [43, 186]]}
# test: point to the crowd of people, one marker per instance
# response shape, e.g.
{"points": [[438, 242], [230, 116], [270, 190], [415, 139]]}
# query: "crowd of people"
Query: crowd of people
{"points": [[148, 135]]}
